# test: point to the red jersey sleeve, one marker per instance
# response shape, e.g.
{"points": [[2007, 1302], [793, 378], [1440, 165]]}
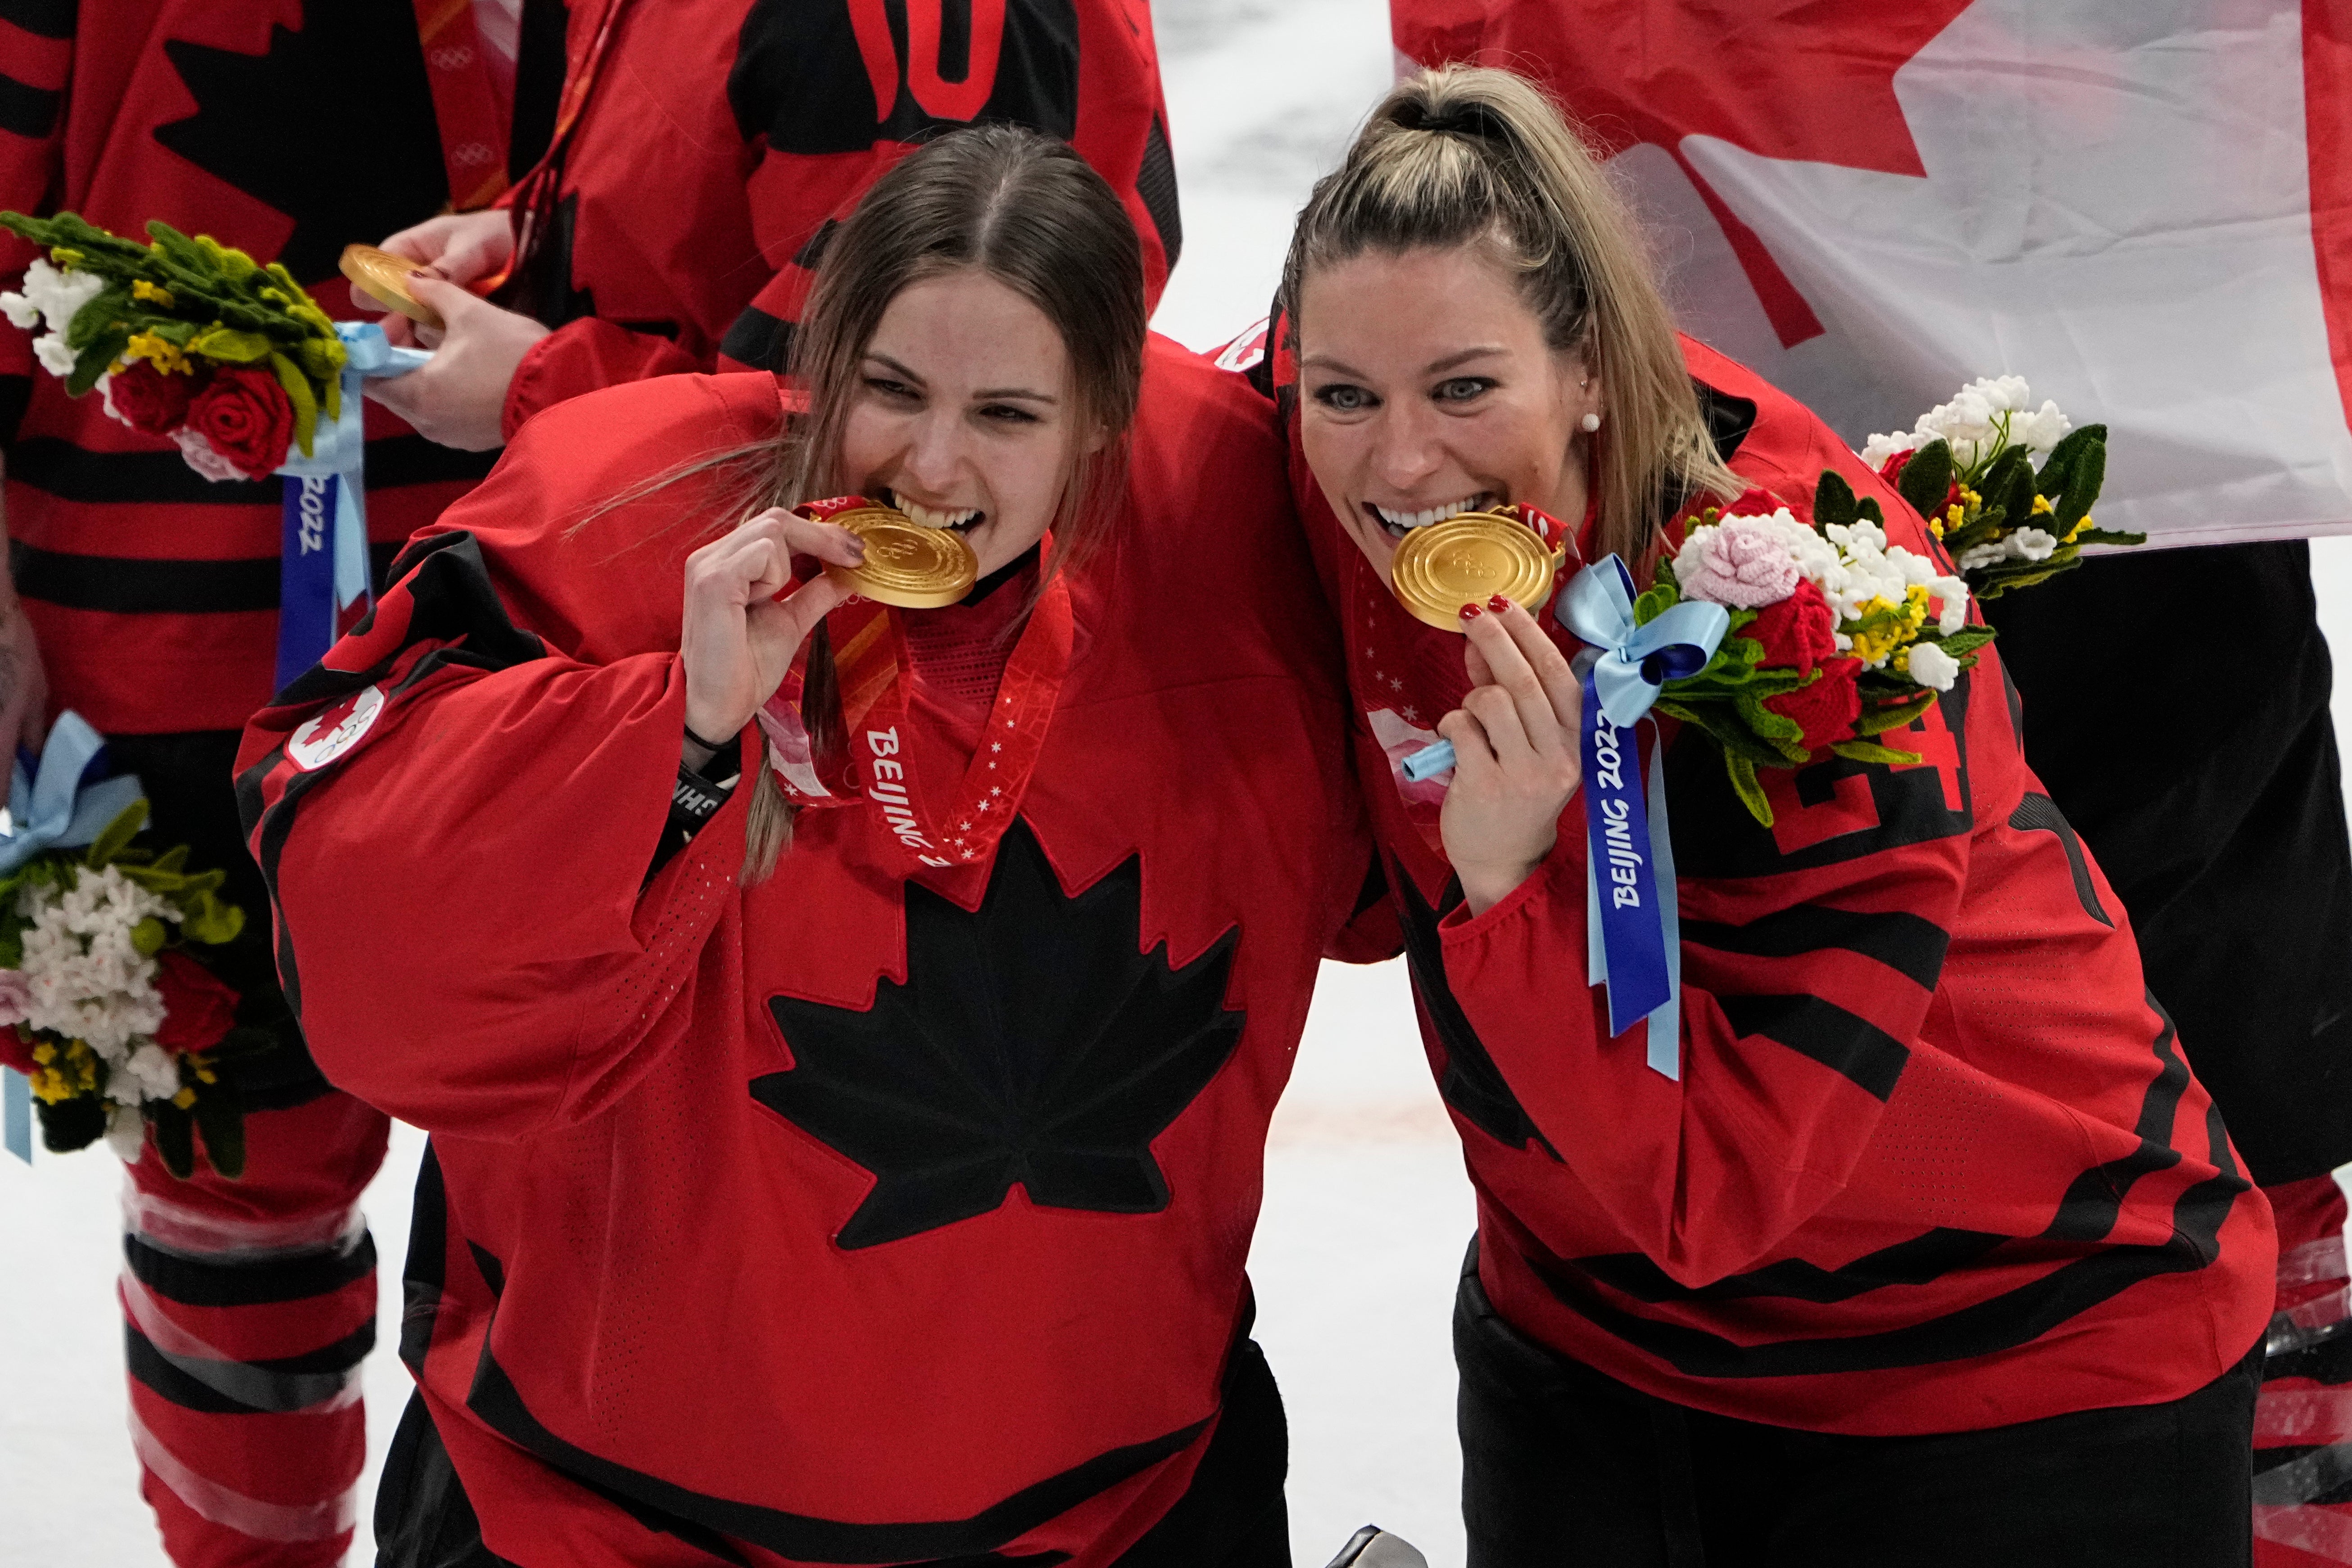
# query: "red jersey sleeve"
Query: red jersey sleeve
{"points": [[1792, 1040], [454, 810], [36, 52]]}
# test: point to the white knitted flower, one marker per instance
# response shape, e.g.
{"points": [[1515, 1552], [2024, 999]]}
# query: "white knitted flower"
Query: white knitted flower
{"points": [[50, 349], [2032, 544], [1931, 667], [126, 1132], [84, 978], [56, 294]]}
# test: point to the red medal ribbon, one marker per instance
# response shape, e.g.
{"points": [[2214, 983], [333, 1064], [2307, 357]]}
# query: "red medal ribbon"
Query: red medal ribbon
{"points": [[887, 760], [465, 103]]}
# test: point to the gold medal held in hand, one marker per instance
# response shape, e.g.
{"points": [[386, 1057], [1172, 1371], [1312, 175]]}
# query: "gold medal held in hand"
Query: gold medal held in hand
{"points": [[383, 278], [906, 564], [1467, 560]]}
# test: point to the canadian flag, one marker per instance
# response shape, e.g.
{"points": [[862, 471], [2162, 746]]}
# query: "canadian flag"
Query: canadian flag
{"points": [[2142, 206]]}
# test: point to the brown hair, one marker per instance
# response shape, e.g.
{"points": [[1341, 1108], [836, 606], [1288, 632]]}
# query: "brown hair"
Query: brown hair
{"points": [[1469, 155], [1027, 211]]}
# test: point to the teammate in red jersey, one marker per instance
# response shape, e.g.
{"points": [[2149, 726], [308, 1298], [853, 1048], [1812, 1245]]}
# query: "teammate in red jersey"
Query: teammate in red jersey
{"points": [[148, 596], [704, 152], [1935, 1253], [720, 1252]]}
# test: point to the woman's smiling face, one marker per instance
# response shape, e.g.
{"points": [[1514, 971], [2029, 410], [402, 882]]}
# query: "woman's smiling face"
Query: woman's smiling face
{"points": [[964, 416], [1426, 389]]}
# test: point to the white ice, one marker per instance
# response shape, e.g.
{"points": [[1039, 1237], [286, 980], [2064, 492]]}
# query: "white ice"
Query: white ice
{"points": [[1367, 1209]]}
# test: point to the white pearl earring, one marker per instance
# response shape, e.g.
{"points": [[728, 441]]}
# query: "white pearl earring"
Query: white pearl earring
{"points": [[1591, 423]]}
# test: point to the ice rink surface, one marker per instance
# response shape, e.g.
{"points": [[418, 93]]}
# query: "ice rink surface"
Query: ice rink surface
{"points": [[1367, 1210]]}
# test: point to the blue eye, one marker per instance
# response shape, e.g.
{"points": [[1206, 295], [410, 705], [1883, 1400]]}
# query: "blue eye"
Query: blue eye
{"points": [[889, 388], [1342, 398], [1461, 388]]}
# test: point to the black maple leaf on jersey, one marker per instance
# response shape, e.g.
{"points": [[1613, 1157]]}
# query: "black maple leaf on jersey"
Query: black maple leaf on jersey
{"points": [[1472, 1083], [333, 126], [1034, 1044]]}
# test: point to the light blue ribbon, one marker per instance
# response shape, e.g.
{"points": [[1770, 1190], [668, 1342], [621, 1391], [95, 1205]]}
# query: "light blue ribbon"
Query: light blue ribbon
{"points": [[16, 1113], [49, 808], [1624, 667], [323, 563]]}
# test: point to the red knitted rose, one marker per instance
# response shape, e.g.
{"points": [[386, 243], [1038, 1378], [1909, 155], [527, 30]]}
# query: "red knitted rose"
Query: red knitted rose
{"points": [[247, 417], [1827, 707], [197, 1008], [149, 401], [1799, 632]]}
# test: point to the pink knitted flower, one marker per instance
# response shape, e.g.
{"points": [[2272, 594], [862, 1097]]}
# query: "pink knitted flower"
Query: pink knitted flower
{"points": [[16, 997], [1745, 565]]}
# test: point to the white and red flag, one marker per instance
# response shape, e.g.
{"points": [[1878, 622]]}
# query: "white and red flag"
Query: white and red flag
{"points": [[2144, 208]]}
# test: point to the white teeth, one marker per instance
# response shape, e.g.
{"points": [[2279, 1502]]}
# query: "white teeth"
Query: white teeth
{"points": [[933, 517], [1423, 518]]}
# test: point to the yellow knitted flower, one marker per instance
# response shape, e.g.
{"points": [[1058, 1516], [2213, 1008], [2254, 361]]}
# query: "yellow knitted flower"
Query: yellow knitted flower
{"points": [[152, 294], [165, 356]]}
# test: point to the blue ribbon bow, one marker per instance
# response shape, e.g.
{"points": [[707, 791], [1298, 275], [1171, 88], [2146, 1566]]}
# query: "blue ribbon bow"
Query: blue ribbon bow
{"points": [[49, 807], [1634, 933], [324, 562], [1633, 937]]}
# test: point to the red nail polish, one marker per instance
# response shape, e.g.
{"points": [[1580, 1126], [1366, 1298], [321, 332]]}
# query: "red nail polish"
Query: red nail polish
{"points": [[1498, 604], [1471, 612]]}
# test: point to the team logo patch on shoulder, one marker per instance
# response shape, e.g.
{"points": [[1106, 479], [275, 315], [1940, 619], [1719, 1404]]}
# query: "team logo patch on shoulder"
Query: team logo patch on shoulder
{"points": [[336, 731]]}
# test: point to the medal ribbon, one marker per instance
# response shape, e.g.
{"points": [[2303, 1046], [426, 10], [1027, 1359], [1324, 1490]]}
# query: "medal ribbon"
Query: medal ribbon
{"points": [[464, 104], [322, 563], [884, 766], [1634, 933], [534, 197]]}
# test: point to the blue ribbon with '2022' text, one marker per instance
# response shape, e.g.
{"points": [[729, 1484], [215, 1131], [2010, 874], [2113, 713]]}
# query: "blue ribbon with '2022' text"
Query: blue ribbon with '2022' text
{"points": [[322, 573], [1634, 934]]}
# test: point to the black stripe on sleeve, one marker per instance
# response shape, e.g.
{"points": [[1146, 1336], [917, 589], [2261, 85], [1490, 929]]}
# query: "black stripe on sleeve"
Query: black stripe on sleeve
{"points": [[77, 474], [422, 1276], [759, 340], [1865, 1053], [1155, 181], [2039, 811], [248, 1387], [1997, 1323], [2094, 1199], [1907, 943], [42, 18], [15, 395], [27, 110], [129, 585], [282, 1277]]}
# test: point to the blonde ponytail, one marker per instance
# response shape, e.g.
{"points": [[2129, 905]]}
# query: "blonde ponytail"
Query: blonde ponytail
{"points": [[1470, 155]]}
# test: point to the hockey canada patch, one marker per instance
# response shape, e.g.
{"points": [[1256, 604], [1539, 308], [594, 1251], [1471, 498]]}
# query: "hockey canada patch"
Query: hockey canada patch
{"points": [[336, 731]]}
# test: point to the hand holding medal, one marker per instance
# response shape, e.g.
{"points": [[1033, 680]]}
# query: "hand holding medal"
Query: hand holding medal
{"points": [[1515, 739], [744, 619]]}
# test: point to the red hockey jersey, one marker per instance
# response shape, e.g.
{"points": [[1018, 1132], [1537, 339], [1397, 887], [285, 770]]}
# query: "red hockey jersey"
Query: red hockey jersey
{"points": [[718, 138], [288, 129], [851, 1219], [1936, 1162]]}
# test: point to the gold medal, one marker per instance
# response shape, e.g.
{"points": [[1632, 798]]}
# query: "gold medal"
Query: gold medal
{"points": [[906, 564], [383, 278], [1467, 560]]}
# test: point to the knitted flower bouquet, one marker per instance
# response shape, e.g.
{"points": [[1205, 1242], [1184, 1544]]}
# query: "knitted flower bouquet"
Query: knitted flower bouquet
{"points": [[183, 338], [105, 1007], [1837, 636], [2007, 486]]}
